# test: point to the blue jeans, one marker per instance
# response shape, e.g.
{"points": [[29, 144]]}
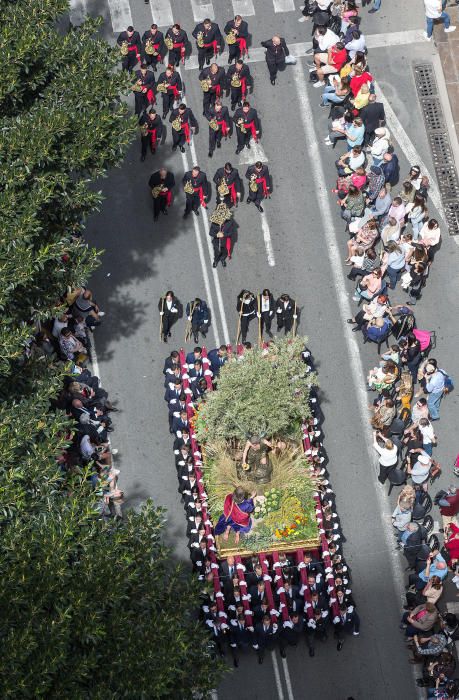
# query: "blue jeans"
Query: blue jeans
{"points": [[393, 275], [428, 447], [377, 4], [329, 96], [430, 23], [433, 404]]}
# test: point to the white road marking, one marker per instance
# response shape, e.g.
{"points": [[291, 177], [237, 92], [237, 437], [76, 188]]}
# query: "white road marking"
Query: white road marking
{"points": [[288, 681], [283, 5], [252, 154], [78, 11], [299, 49], [120, 13], [280, 691], [202, 10], [202, 260], [409, 150], [161, 11], [267, 240], [335, 254], [244, 8]]}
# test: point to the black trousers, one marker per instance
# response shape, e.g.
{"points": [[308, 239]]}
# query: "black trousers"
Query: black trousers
{"points": [[234, 51], [159, 205], [266, 321], [168, 321], [192, 202], [243, 139], [236, 96], [168, 101], [215, 139], [178, 138], [141, 102], [128, 62], [151, 60], [145, 142], [285, 323], [312, 635], [245, 321], [257, 196], [384, 472], [199, 328], [273, 67], [208, 99], [174, 57], [220, 252], [205, 55]]}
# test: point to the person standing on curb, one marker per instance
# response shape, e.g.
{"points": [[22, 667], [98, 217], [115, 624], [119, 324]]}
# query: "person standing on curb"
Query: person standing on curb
{"points": [[434, 10]]}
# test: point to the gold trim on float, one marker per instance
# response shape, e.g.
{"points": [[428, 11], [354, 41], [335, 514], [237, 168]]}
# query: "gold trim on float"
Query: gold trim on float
{"points": [[224, 550]]}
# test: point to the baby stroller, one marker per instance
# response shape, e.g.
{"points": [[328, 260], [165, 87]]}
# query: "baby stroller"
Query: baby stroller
{"points": [[427, 340]]}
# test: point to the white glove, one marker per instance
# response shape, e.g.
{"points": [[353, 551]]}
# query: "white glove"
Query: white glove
{"points": [[189, 318], [295, 316], [161, 313]]}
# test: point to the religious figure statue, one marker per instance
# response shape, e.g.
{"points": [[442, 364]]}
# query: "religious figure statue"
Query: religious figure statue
{"points": [[236, 514], [255, 460]]}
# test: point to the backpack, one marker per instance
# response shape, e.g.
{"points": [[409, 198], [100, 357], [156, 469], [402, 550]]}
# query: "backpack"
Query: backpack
{"points": [[449, 384]]}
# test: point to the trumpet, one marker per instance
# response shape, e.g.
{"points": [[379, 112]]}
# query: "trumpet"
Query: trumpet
{"points": [[188, 187], [124, 48], [214, 124], [240, 123], [223, 188], [150, 48], [200, 40], [162, 87], [205, 85], [169, 43], [235, 81], [231, 38], [253, 185], [177, 124]]}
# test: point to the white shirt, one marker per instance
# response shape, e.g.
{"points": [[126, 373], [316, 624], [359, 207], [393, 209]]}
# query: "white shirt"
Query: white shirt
{"points": [[264, 304], [386, 457], [433, 8], [356, 45], [326, 41], [356, 161], [86, 448], [428, 433], [58, 326]]}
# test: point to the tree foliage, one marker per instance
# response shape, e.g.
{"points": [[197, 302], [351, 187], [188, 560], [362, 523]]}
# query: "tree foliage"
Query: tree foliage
{"points": [[263, 393], [88, 608]]}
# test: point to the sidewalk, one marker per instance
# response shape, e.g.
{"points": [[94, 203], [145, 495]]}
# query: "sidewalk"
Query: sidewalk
{"points": [[448, 49]]}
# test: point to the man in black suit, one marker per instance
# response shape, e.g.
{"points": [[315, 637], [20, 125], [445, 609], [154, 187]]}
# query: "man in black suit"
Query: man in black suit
{"points": [[266, 311], [316, 584], [130, 39], [316, 628], [162, 198], [373, 116], [266, 635], [276, 51], [247, 126], [291, 633], [195, 180], [349, 623], [178, 424], [174, 391], [238, 81], [285, 312], [257, 593], [218, 116], [208, 38], [294, 601], [217, 358], [240, 638], [153, 46], [259, 184], [228, 176], [240, 30], [185, 119], [215, 77], [170, 363], [170, 311]]}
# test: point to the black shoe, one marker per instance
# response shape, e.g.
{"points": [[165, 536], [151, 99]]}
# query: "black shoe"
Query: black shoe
{"points": [[165, 212], [233, 106], [174, 148], [223, 263], [260, 208], [273, 81], [247, 145], [196, 211], [210, 154], [169, 335], [248, 200], [372, 11], [207, 61], [260, 659], [239, 104], [164, 115], [186, 214], [311, 652], [165, 339], [283, 654], [219, 145], [155, 217], [238, 150], [270, 334], [355, 330], [196, 339], [142, 158], [235, 663], [214, 264], [182, 148], [339, 646]]}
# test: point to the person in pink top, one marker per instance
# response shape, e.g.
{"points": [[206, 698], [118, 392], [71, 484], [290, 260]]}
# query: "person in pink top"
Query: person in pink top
{"points": [[397, 210], [429, 237], [370, 286]]}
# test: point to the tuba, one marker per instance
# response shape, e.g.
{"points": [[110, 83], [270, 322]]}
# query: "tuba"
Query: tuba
{"points": [[221, 214], [169, 43], [240, 123], [205, 84], [213, 124], [253, 185], [156, 191], [200, 40], [231, 38], [177, 124], [188, 187], [235, 80], [124, 48], [223, 188], [150, 48], [162, 87]]}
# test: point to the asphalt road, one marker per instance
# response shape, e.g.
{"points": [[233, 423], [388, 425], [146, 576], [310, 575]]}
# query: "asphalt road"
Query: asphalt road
{"points": [[142, 259]]}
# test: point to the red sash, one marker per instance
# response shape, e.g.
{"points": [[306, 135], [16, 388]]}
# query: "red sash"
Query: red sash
{"points": [[233, 193], [252, 128], [153, 139], [186, 131], [180, 45], [224, 127], [175, 90], [134, 48], [232, 510], [201, 196], [228, 246], [243, 87], [265, 187], [168, 196], [217, 88], [242, 45], [151, 96], [214, 44]]}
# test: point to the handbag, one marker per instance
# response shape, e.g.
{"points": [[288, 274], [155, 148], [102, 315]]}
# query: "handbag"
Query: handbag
{"points": [[290, 60]]}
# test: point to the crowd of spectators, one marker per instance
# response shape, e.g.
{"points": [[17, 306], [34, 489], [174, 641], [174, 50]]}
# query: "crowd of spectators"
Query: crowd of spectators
{"points": [[66, 340]]}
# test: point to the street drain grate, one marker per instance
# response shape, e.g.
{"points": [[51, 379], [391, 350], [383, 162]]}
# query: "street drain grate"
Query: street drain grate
{"points": [[437, 133]]}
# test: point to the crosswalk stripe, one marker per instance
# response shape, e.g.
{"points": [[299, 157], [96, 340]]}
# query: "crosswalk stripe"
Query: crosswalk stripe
{"points": [[244, 8], [283, 5], [161, 11], [120, 13], [256, 152], [202, 10]]}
